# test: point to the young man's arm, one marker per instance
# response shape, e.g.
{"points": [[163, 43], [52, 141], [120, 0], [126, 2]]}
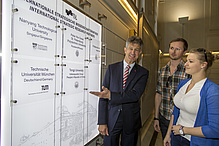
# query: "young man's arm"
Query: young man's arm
{"points": [[156, 113]]}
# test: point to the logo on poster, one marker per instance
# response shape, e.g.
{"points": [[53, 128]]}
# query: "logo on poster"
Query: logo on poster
{"points": [[45, 87], [96, 57], [34, 45], [77, 53], [76, 84], [39, 47], [69, 12]]}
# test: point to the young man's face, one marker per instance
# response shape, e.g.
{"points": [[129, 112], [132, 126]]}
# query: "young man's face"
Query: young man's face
{"points": [[132, 52], [176, 50]]}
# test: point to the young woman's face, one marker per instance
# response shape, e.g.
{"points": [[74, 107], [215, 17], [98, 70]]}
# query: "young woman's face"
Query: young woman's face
{"points": [[193, 64]]}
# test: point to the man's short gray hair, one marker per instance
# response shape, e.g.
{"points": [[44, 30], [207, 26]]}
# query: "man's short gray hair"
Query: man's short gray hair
{"points": [[134, 40]]}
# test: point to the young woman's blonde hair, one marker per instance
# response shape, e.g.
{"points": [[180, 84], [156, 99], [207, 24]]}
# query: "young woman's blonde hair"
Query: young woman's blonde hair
{"points": [[204, 56]]}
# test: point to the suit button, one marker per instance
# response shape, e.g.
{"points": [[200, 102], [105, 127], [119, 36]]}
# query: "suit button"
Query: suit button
{"points": [[119, 110]]}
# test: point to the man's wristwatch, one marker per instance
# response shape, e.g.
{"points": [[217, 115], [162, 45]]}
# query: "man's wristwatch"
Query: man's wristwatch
{"points": [[156, 119], [181, 130]]}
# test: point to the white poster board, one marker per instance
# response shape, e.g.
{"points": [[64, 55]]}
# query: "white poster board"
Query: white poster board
{"points": [[55, 63]]}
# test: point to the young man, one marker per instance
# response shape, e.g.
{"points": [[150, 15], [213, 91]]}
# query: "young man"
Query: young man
{"points": [[168, 80], [123, 85]]}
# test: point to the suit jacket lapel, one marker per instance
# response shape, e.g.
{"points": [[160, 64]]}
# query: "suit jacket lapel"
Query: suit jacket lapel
{"points": [[120, 77]]}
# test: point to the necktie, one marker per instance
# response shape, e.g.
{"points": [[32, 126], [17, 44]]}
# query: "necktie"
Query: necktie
{"points": [[125, 76]]}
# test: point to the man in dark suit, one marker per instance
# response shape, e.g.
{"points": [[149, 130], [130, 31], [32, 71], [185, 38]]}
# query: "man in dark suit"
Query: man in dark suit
{"points": [[119, 110]]}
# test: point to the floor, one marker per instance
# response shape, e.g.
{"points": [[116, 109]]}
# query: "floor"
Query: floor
{"points": [[156, 139], [149, 137]]}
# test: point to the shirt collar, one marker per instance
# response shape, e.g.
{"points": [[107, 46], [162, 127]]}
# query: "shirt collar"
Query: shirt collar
{"points": [[181, 63], [125, 64]]}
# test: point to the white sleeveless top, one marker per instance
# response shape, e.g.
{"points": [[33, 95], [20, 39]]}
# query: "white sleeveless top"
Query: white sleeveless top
{"points": [[188, 103]]}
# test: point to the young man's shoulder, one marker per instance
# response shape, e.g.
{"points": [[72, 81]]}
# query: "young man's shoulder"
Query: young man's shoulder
{"points": [[164, 67]]}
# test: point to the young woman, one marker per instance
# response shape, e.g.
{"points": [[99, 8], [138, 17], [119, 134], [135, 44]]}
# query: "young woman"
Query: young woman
{"points": [[195, 119]]}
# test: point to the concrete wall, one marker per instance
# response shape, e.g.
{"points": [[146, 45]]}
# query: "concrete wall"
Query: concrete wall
{"points": [[202, 28]]}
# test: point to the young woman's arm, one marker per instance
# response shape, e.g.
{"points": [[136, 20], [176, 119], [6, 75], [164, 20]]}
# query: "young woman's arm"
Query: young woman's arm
{"points": [[195, 131]]}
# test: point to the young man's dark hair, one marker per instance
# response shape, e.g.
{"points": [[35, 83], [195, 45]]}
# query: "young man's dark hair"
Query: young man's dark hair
{"points": [[185, 46]]}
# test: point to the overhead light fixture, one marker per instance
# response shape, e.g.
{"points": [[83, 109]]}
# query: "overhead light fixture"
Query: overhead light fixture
{"points": [[215, 52], [167, 54], [129, 9], [183, 20], [160, 51]]}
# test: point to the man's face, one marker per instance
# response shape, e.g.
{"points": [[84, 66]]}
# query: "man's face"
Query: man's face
{"points": [[176, 50], [132, 53]]}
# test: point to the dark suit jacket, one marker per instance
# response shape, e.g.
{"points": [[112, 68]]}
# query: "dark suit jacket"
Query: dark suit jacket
{"points": [[126, 99]]}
